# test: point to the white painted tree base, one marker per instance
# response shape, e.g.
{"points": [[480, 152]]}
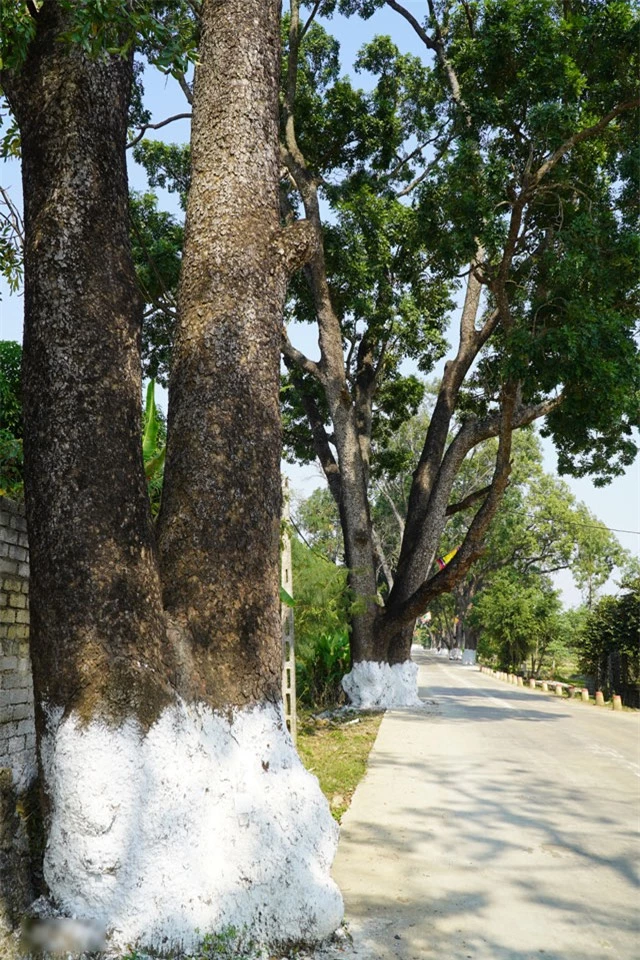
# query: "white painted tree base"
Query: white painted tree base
{"points": [[380, 686], [206, 821]]}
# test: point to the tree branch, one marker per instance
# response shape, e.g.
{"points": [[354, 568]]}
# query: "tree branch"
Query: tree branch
{"points": [[471, 547], [381, 558], [184, 86], [427, 517], [427, 170], [417, 26], [394, 509], [578, 137], [13, 217], [454, 508], [320, 437], [156, 126], [296, 357], [312, 17]]}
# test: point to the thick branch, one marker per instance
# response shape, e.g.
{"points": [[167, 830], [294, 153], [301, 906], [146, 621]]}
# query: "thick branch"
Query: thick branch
{"points": [[417, 26], [428, 524], [297, 358], [320, 437], [454, 508], [184, 86], [311, 18], [472, 546], [438, 430]]}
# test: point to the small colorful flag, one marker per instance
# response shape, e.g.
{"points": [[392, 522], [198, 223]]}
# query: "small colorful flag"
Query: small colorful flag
{"points": [[443, 561]]}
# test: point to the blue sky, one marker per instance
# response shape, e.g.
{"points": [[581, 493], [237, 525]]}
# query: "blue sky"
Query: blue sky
{"points": [[617, 505]]}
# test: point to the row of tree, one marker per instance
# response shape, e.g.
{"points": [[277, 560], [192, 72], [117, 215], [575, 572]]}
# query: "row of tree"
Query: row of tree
{"points": [[497, 164], [511, 188]]}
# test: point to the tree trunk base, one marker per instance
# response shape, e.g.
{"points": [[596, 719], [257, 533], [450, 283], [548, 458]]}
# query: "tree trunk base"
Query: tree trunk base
{"points": [[380, 686], [206, 821]]}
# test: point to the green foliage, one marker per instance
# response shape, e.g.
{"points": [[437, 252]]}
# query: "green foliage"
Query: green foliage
{"points": [[516, 620], [229, 944], [11, 266], [561, 654], [318, 516], [166, 33], [320, 667], [154, 435], [156, 243], [168, 166], [320, 591], [610, 650], [390, 296], [17, 29], [532, 75], [11, 455], [11, 466], [10, 402], [321, 607]]}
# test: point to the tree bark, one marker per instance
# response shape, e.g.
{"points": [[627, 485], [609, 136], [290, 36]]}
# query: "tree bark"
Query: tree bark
{"points": [[222, 495], [97, 631], [165, 759]]}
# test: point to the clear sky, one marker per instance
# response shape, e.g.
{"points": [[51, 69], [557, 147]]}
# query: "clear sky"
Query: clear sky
{"points": [[617, 505]]}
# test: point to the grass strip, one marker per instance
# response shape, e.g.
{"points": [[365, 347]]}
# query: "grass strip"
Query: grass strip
{"points": [[336, 750]]}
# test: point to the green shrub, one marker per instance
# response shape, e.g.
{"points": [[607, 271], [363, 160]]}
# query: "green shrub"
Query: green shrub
{"points": [[11, 465], [320, 666], [610, 652], [322, 608]]}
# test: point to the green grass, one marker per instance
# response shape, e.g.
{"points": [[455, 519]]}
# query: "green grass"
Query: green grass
{"points": [[336, 751]]}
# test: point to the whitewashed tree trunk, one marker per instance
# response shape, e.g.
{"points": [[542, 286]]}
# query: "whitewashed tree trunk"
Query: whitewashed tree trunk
{"points": [[174, 801]]}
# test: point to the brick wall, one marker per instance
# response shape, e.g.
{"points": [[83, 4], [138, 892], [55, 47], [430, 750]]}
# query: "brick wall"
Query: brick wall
{"points": [[17, 731]]}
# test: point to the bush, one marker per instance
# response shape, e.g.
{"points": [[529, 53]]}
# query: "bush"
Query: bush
{"points": [[11, 466], [322, 606], [610, 651], [320, 667]]}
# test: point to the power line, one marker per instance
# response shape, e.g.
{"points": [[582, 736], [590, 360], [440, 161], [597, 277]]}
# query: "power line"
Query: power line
{"points": [[304, 539]]}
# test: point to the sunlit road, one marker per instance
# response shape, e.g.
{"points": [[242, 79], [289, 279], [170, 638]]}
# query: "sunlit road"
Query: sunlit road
{"points": [[497, 824]]}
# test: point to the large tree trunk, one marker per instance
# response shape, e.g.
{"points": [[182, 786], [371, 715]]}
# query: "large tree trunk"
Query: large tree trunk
{"points": [[97, 626], [175, 801], [222, 495]]}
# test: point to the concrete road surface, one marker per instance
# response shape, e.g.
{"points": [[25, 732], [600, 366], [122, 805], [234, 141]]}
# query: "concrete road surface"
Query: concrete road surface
{"points": [[496, 824]]}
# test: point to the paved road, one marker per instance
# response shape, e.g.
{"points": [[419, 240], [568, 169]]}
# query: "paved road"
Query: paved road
{"points": [[496, 824]]}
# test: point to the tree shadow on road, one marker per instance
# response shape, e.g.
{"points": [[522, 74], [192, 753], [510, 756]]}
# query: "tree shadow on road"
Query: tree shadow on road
{"points": [[560, 848]]}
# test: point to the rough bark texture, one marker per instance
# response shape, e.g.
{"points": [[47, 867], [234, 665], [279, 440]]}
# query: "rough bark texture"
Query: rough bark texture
{"points": [[220, 518], [97, 632], [164, 798]]}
